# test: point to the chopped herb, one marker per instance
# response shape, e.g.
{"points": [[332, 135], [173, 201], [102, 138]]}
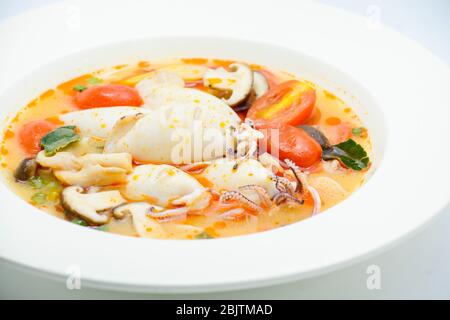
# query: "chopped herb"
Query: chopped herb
{"points": [[203, 235], [79, 88], [350, 153], [39, 198], [35, 182], [94, 80], [101, 228], [79, 222], [58, 139], [359, 131]]}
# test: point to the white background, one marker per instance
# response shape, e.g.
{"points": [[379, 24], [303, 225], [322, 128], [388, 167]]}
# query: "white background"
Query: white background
{"points": [[417, 268]]}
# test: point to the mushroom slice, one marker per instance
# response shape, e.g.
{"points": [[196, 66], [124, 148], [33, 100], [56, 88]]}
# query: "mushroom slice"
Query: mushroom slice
{"points": [[26, 169], [92, 175], [88, 205], [125, 209], [260, 84], [144, 225], [239, 80]]}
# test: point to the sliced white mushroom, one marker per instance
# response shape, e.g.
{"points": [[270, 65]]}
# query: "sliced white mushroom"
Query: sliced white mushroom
{"points": [[260, 84], [163, 185], [127, 209], [144, 225], [92, 175], [98, 122], [239, 80], [89, 206]]}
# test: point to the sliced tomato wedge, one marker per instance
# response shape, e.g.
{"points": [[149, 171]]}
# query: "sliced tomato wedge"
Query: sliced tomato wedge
{"points": [[290, 102], [108, 95], [289, 142], [31, 133]]}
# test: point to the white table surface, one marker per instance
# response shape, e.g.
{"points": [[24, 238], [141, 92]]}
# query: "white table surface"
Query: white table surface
{"points": [[417, 268]]}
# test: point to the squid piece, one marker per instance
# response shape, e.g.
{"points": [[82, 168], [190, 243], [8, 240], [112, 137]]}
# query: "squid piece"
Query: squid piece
{"points": [[165, 185], [165, 89], [98, 122], [175, 134], [237, 176], [147, 226]]}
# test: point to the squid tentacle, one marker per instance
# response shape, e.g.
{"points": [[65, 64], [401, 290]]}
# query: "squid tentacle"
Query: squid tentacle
{"points": [[261, 192], [236, 195]]}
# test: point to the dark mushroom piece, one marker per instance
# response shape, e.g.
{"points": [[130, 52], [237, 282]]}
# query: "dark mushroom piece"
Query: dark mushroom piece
{"points": [[26, 170], [317, 135], [239, 80], [259, 88]]}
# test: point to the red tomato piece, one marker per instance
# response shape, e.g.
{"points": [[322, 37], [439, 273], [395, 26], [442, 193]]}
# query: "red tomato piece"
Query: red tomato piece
{"points": [[290, 102], [31, 133], [289, 142], [108, 95]]}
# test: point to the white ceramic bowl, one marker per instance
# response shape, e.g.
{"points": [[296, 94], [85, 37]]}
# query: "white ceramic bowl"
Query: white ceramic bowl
{"points": [[398, 88]]}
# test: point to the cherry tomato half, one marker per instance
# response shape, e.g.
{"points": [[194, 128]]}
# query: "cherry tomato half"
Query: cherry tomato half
{"points": [[108, 95], [289, 142], [31, 133], [290, 102]]}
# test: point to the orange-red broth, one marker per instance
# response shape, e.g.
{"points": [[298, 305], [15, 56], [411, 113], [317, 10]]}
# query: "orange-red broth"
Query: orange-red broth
{"points": [[332, 116]]}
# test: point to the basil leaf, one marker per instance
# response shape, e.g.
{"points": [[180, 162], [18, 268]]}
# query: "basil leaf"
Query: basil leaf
{"points": [[59, 139], [350, 153], [79, 88]]}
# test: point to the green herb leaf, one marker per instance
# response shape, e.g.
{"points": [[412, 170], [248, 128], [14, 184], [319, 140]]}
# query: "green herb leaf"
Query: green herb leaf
{"points": [[358, 132], [350, 153], [35, 182], [39, 198], [101, 228], [79, 88], [94, 80], [58, 139], [79, 222], [204, 235]]}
